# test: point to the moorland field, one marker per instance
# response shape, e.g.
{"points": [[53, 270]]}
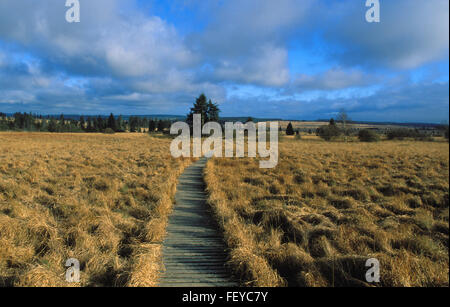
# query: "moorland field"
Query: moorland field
{"points": [[102, 199], [327, 207], [313, 220]]}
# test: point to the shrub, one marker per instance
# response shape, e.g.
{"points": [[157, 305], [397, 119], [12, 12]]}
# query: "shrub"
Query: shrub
{"points": [[402, 133], [329, 132], [109, 131], [366, 135]]}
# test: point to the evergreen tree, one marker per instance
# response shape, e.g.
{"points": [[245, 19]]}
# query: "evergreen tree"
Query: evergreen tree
{"points": [[200, 107], [133, 122], [160, 126], [290, 129], [212, 112], [151, 125], [208, 110], [99, 124], [144, 124], [119, 124], [111, 122]]}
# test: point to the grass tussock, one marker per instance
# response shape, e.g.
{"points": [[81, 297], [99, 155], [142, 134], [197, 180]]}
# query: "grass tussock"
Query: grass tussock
{"points": [[326, 208], [102, 199]]}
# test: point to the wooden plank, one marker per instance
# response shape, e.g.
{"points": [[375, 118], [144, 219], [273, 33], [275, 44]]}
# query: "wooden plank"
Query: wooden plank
{"points": [[194, 253]]}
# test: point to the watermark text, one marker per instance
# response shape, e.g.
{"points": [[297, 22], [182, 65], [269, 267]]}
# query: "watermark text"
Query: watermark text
{"points": [[234, 140]]}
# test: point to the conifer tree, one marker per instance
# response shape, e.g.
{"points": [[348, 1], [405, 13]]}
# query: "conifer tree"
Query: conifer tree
{"points": [[160, 126], [112, 122], [200, 107], [82, 123], [119, 124], [212, 112], [207, 109], [151, 125], [290, 129]]}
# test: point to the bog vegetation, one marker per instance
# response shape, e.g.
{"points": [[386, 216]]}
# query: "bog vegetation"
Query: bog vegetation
{"points": [[327, 207], [102, 199], [335, 199]]}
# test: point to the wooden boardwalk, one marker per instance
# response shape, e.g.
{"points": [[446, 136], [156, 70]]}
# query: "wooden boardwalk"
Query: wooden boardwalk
{"points": [[193, 250]]}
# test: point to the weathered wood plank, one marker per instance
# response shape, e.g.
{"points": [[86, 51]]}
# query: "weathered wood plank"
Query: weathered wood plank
{"points": [[194, 254]]}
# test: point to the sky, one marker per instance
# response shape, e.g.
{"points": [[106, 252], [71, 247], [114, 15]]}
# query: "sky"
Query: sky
{"points": [[289, 59]]}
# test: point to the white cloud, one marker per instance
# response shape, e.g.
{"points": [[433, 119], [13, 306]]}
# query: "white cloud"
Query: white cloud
{"points": [[267, 66], [411, 33], [335, 79], [246, 41], [103, 42]]}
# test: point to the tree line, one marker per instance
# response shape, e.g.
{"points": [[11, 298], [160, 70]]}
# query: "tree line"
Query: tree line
{"points": [[32, 122], [333, 132]]}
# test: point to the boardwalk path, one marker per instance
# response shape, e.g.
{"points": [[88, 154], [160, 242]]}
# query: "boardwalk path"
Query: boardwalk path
{"points": [[193, 251]]}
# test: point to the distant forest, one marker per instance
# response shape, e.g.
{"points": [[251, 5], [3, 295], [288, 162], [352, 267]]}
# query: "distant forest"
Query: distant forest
{"points": [[33, 122]]}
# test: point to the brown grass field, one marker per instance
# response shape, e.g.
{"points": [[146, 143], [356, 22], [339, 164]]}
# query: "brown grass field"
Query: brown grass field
{"points": [[312, 221], [326, 208], [103, 199]]}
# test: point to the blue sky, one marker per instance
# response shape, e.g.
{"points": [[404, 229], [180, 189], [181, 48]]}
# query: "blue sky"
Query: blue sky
{"points": [[292, 59]]}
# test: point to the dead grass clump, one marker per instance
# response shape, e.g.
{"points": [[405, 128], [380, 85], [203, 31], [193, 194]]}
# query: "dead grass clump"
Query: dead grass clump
{"points": [[291, 262], [345, 271]]}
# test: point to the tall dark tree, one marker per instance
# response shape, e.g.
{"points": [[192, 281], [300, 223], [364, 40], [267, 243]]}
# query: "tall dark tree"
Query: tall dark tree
{"points": [[151, 125], [161, 125], [112, 122], [200, 107], [144, 124], [134, 123], [212, 112], [119, 124], [207, 109], [290, 129], [100, 124]]}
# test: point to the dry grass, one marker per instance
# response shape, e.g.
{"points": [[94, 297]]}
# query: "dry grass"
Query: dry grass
{"points": [[103, 199], [327, 207]]}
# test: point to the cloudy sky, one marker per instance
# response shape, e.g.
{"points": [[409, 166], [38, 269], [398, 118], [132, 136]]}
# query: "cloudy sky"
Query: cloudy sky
{"points": [[293, 59]]}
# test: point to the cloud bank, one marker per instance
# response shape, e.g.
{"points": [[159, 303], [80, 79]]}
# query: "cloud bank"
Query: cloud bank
{"points": [[285, 58]]}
